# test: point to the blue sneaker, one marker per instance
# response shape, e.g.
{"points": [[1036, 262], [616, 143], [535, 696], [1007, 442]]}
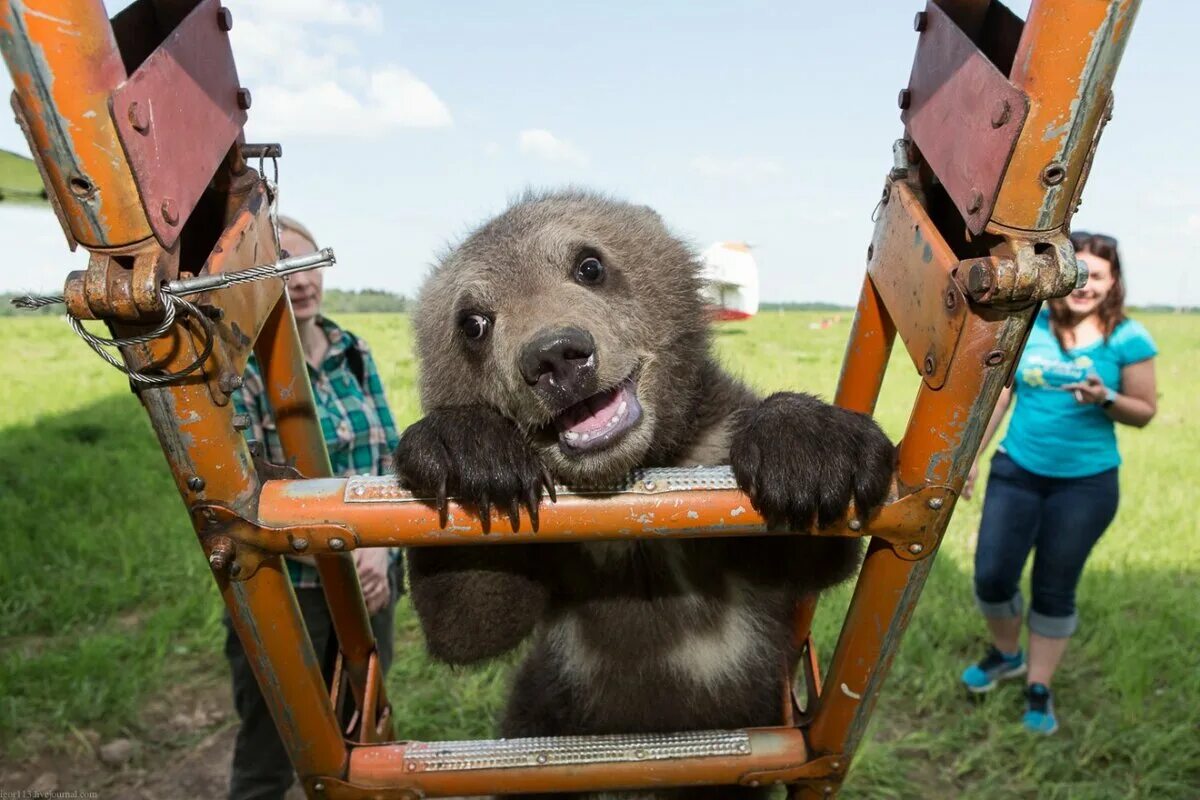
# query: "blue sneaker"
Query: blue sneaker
{"points": [[1039, 710], [995, 666]]}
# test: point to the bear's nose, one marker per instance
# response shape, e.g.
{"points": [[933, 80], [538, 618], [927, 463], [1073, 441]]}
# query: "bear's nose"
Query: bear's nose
{"points": [[561, 359]]}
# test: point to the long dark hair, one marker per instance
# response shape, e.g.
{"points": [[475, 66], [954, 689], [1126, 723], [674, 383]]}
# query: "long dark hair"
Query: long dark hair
{"points": [[1112, 307]]}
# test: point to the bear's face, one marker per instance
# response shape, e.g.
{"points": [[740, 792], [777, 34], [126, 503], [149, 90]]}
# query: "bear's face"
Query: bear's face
{"points": [[579, 318]]}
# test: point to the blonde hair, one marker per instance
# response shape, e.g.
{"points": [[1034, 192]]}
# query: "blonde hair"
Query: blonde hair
{"points": [[289, 224]]}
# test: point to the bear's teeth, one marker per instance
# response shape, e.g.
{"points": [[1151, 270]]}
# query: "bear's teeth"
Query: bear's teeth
{"points": [[571, 436], [586, 436], [621, 408]]}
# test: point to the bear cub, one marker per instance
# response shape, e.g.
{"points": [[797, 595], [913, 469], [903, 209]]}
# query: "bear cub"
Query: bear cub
{"points": [[566, 341]]}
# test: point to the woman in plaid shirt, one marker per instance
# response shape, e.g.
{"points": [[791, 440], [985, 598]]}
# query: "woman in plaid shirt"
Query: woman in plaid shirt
{"points": [[360, 436]]}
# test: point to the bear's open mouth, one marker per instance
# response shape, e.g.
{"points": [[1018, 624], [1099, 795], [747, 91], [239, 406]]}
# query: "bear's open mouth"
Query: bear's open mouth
{"points": [[601, 419]]}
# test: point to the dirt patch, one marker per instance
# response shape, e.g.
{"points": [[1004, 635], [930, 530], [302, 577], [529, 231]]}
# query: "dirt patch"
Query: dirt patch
{"points": [[182, 748]]}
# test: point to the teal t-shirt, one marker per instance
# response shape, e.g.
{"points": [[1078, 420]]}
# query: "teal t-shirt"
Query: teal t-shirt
{"points": [[1050, 434]]}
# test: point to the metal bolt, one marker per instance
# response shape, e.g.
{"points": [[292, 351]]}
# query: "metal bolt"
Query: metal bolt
{"points": [[905, 99], [138, 118], [235, 569], [243, 99], [835, 764], [980, 278], [915, 548], [994, 358], [976, 201], [337, 544], [221, 553], [299, 544], [854, 525], [870, 252], [951, 299], [196, 483], [230, 382], [241, 422], [1001, 114], [649, 486], [318, 787], [920, 21], [170, 213], [225, 19], [930, 365], [935, 503]]}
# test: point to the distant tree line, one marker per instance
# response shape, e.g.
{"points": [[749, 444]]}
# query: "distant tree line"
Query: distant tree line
{"points": [[379, 301]]}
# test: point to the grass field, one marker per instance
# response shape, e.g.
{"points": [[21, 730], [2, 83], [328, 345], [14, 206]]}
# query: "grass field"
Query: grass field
{"points": [[105, 600]]}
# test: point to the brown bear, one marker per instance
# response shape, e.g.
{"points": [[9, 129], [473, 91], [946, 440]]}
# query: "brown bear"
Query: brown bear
{"points": [[566, 341]]}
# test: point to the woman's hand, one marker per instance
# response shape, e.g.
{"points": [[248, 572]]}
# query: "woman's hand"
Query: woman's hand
{"points": [[1092, 391], [968, 488], [372, 563]]}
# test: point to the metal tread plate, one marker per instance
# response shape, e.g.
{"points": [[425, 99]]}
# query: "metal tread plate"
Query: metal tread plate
{"points": [[563, 751], [386, 489]]}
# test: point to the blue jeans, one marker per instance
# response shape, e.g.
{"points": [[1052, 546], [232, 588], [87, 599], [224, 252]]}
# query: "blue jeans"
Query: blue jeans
{"points": [[1060, 518]]}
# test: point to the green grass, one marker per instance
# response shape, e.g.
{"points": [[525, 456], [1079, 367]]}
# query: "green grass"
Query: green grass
{"points": [[105, 598]]}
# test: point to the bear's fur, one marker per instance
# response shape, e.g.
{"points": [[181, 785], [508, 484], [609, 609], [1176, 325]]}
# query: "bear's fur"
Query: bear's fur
{"points": [[570, 296]]}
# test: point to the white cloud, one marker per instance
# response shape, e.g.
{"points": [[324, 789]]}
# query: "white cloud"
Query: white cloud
{"points": [[546, 145], [743, 169], [309, 78], [1193, 223]]}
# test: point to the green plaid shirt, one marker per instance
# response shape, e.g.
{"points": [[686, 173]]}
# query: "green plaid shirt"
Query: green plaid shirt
{"points": [[360, 433]]}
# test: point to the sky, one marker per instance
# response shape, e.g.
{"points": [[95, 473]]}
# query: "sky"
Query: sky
{"points": [[406, 124]]}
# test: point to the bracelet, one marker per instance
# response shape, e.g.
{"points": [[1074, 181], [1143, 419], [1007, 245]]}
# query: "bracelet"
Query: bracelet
{"points": [[1110, 397]]}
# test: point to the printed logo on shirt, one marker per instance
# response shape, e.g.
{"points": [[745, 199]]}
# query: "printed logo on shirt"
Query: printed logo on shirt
{"points": [[1040, 372]]}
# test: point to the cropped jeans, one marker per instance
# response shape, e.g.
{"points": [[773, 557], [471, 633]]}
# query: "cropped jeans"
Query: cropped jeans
{"points": [[1061, 519]]}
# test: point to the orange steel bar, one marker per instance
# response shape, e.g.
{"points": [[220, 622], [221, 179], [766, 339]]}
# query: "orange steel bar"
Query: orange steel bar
{"points": [[64, 62], [940, 442], [267, 620], [289, 393], [775, 754], [1065, 62], [199, 441], [574, 518], [867, 353]]}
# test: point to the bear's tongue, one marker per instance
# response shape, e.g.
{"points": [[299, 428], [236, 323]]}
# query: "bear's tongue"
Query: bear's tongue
{"points": [[599, 418]]}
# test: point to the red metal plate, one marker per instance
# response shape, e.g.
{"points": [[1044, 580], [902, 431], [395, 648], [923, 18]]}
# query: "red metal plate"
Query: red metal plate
{"points": [[177, 116], [963, 114]]}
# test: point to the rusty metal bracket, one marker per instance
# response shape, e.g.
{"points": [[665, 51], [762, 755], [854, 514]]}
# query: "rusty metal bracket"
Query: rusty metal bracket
{"points": [[177, 116], [912, 269], [111, 288], [234, 542], [963, 114], [909, 525], [830, 768]]}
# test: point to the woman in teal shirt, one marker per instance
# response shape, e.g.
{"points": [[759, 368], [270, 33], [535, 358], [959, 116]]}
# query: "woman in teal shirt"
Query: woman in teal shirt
{"points": [[1053, 483]]}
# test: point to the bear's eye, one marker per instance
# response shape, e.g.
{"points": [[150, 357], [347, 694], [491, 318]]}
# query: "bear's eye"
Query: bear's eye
{"points": [[475, 326], [589, 271]]}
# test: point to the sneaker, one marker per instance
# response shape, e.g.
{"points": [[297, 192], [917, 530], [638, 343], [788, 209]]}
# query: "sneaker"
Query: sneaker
{"points": [[1039, 710], [995, 666]]}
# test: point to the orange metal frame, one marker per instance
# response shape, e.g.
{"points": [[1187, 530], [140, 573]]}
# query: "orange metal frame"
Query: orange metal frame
{"points": [[961, 303]]}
